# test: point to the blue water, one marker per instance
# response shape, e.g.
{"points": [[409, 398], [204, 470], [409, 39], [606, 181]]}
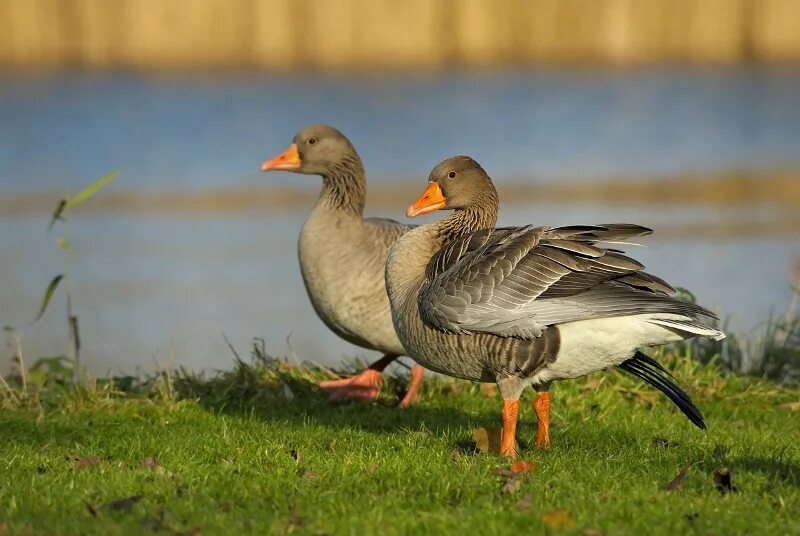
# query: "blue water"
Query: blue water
{"points": [[161, 288], [192, 131]]}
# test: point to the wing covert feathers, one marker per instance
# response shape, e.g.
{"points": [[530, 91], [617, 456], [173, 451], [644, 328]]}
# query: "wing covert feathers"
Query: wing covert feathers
{"points": [[516, 281]]}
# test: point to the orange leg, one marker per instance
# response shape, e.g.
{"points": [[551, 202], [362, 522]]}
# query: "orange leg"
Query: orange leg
{"points": [[542, 408], [416, 378], [365, 385], [508, 443]]}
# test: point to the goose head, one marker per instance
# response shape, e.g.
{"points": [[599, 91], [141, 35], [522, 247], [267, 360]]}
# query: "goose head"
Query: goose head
{"points": [[456, 183], [315, 150]]}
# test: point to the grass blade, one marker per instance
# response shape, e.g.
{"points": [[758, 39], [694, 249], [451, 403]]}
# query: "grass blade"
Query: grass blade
{"points": [[51, 288], [57, 214], [90, 190]]}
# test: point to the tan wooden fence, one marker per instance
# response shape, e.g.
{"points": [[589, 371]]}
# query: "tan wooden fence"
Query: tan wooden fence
{"points": [[357, 34]]}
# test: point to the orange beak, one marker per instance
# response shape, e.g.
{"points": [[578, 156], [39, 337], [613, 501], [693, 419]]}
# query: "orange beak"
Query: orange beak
{"points": [[288, 160], [432, 200]]}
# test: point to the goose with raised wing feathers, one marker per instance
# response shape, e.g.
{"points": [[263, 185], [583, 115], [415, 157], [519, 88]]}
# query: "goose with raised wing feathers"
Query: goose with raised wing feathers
{"points": [[342, 256], [524, 306]]}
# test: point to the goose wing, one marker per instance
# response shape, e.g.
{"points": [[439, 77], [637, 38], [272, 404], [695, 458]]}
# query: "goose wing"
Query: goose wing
{"points": [[514, 282]]}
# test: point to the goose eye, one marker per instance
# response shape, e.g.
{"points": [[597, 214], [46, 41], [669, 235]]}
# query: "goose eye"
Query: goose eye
{"points": [[312, 141], [451, 174]]}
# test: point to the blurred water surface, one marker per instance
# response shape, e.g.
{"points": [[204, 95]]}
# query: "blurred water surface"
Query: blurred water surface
{"points": [[188, 131], [167, 287]]}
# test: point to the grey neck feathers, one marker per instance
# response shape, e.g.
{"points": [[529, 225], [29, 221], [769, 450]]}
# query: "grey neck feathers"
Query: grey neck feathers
{"points": [[344, 187], [468, 220]]}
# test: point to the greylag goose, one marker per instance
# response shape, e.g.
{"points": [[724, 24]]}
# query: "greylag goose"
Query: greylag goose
{"points": [[524, 306], [342, 256]]}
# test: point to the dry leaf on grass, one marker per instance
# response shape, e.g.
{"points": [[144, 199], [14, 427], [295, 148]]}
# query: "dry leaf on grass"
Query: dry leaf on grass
{"points": [[511, 485], [664, 442], [123, 505], [723, 482], [489, 389], [525, 503], [150, 463], [790, 406], [307, 474], [488, 439], [120, 505], [502, 471], [591, 532], [514, 476], [558, 519], [84, 462], [522, 466], [677, 482], [4, 529]]}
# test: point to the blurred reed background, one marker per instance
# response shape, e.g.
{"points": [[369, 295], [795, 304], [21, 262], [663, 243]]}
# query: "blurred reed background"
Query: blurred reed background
{"points": [[390, 33], [681, 115]]}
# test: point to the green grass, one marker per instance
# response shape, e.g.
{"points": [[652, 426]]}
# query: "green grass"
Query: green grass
{"points": [[259, 450]]}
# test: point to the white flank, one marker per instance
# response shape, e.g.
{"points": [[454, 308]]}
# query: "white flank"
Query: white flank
{"points": [[592, 345]]}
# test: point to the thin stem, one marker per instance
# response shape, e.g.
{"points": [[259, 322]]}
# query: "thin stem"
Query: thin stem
{"points": [[72, 354], [4, 384], [7, 389], [791, 313], [21, 361]]}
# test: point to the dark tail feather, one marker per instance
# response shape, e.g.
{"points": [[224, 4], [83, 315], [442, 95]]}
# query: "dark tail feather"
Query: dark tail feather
{"points": [[651, 371]]}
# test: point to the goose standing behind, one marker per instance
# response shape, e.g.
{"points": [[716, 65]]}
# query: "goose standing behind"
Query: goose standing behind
{"points": [[523, 306], [342, 256]]}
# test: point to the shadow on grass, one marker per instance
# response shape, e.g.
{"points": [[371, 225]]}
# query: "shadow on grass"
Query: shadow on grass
{"points": [[308, 403], [775, 468], [282, 395]]}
